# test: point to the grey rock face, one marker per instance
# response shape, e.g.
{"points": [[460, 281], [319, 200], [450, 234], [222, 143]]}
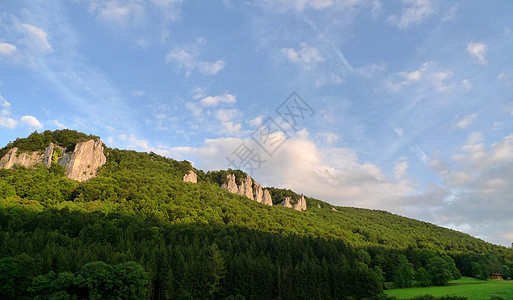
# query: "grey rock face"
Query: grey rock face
{"points": [[81, 164], [190, 177]]}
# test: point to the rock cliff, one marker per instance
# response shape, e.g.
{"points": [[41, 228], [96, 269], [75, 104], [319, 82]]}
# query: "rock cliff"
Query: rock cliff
{"points": [[299, 205], [80, 164], [248, 189], [190, 177]]}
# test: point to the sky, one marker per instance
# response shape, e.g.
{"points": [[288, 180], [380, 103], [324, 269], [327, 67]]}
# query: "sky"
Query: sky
{"points": [[404, 106]]}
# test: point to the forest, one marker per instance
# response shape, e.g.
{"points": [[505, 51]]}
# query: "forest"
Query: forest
{"points": [[137, 231]]}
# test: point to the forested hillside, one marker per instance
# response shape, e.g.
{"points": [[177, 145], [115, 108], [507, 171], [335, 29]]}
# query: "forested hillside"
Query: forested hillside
{"points": [[138, 231]]}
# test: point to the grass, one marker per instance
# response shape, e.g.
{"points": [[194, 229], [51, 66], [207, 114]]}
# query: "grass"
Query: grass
{"points": [[466, 287]]}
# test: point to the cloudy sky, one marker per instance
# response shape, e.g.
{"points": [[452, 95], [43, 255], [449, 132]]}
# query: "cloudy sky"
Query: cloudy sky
{"points": [[400, 105]]}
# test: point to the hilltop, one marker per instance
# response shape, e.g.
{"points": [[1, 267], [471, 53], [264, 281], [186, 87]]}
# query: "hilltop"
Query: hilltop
{"points": [[200, 240]]}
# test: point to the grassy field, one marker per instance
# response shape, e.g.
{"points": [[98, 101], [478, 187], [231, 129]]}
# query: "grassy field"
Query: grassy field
{"points": [[467, 287]]}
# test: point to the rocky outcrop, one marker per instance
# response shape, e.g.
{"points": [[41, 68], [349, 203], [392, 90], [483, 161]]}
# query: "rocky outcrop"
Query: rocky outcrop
{"points": [[247, 189], [259, 192], [80, 164], [286, 202], [48, 156], [23, 159], [230, 184], [85, 160], [299, 205], [190, 177], [267, 198]]}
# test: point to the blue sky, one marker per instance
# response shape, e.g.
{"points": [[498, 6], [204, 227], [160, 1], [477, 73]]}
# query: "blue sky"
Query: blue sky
{"points": [[410, 103]]}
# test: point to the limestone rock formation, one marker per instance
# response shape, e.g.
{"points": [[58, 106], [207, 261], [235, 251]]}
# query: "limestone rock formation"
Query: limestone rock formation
{"points": [[81, 164], [299, 205], [259, 192], [23, 159], [230, 184], [286, 202], [267, 198], [85, 160], [190, 177], [247, 189], [48, 156]]}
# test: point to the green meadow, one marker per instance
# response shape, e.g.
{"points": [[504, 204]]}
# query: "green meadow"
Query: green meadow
{"points": [[466, 287]]}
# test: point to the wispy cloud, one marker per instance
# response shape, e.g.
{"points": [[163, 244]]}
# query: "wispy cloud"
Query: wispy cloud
{"points": [[506, 78], [440, 80], [5, 119], [304, 54], [7, 49], [215, 100], [477, 50], [466, 121], [187, 59], [414, 13], [36, 38]]}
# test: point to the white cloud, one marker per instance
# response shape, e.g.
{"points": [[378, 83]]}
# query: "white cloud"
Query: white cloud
{"points": [[187, 59], [59, 124], [7, 49], [199, 92], [466, 121], [478, 51], [135, 143], [170, 8], [478, 184], [215, 100], [226, 114], [210, 68], [119, 13], [7, 122], [31, 121], [36, 38], [257, 121], [400, 169], [415, 12], [305, 54], [427, 74], [376, 9]]}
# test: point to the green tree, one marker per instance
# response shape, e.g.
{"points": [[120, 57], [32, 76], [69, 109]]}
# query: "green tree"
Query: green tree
{"points": [[404, 274]]}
